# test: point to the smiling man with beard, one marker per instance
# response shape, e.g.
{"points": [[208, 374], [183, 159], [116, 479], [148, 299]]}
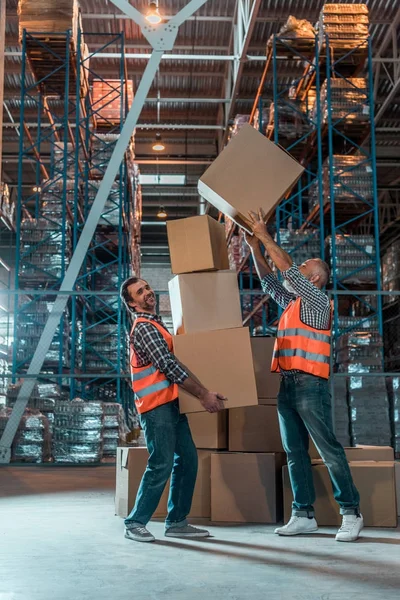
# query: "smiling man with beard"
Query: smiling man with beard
{"points": [[156, 376]]}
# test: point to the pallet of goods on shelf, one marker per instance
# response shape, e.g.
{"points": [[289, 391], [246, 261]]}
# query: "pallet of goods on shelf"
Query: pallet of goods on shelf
{"points": [[301, 245], [353, 258], [352, 182], [261, 126], [108, 97], [292, 119], [295, 32], [237, 124], [114, 428], [359, 352], [32, 442], [43, 399], [391, 271], [78, 428], [349, 102], [346, 25], [369, 410], [48, 16]]}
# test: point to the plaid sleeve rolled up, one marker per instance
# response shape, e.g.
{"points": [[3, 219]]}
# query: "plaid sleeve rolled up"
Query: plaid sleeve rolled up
{"points": [[151, 347]]}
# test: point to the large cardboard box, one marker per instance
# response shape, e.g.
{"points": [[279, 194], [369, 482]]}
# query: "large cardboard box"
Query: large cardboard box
{"points": [[197, 244], [374, 480], [131, 464], [210, 430], [254, 429], [360, 453], [205, 301], [397, 476], [222, 361], [201, 505], [250, 172], [245, 487], [267, 383]]}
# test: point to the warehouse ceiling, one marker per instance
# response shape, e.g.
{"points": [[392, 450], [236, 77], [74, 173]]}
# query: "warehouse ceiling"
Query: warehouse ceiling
{"points": [[193, 100]]}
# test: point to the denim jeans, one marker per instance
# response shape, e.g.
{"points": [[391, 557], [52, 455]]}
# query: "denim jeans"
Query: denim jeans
{"points": [[172, 454], [304, 408]]}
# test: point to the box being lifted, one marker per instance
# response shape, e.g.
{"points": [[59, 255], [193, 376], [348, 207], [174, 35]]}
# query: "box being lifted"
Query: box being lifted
{"points": [[197, 244], [250, 172]]}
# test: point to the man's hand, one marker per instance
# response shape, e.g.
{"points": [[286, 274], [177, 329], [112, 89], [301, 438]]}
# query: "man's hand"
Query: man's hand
{"points": [[213, 402], [252, 241], [257, 223]]}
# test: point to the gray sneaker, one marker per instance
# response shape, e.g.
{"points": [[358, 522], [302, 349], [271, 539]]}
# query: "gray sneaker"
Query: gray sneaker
{"points": [[139, 534], [187, 531]]}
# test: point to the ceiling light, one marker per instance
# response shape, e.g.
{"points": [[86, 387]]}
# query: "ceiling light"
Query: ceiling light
{"points": [[158, 146], [153, 16], [37, 188], [162, 213]]}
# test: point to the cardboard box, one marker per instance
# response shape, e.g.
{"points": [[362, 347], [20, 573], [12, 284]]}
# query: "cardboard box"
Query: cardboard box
{"points": [[267, 383], [222, 361], [374, 480], [201, 505], [210, 430], [250, 172], [397, 477], [205, 302], [131, 464], [360, 453], [254, 429], [245, 487], [197, 244]]}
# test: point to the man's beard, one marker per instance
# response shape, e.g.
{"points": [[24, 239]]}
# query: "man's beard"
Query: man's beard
{"points": [[288, 287]]}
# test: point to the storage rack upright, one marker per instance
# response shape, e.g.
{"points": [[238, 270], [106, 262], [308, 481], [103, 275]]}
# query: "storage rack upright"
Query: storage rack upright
{"points": [[70, 147]]}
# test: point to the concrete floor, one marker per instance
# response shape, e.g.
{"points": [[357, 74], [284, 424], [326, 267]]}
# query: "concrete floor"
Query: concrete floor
{"points": [[59, 540]]}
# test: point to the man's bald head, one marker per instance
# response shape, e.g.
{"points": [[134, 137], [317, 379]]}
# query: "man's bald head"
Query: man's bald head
{"points": [[316, 271]]}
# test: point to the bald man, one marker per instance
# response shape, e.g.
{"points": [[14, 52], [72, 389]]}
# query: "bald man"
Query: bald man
{"points": [[302, 356]]}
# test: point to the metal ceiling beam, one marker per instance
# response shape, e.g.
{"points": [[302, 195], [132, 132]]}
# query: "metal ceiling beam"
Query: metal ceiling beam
{"points": [[245, 20], [387, 40], [161, 38]]}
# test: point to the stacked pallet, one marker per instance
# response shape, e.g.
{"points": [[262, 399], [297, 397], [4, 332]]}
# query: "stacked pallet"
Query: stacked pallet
{"points": [[48, 16], [345, 25]]}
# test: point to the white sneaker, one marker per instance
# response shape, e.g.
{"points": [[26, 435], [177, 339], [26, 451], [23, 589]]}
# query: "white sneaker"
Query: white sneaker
{"points": [[350, 529], [297, 526]]}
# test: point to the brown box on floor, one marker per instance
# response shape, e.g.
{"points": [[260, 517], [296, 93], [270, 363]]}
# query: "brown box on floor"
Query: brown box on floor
{"points": [[222, 361], [250, 171], [210, 430], [397, 477], [205, 302], [245, 487], [131, 464], [267, 383], [254, 429], [374, 480], [360, 453], [197, 244]]}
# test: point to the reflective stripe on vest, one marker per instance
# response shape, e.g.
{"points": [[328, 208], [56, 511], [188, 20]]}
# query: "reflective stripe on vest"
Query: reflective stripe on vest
{"points": [[142, 374], [311, 335], [151, 389], [303, 354]]}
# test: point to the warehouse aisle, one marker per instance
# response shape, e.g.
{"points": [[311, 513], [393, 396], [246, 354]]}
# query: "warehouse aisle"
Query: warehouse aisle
{"points": [[59, 539]]}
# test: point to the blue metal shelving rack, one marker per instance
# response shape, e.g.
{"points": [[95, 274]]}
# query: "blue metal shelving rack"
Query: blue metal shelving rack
{"points": [[70, 147], [318, 138]]}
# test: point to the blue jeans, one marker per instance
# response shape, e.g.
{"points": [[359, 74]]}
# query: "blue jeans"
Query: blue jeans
{"points": [[172, 454], [304, 407]]}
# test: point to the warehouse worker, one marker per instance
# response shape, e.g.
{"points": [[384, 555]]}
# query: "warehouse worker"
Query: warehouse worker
{"points": [[301, 355], [156, 375]]}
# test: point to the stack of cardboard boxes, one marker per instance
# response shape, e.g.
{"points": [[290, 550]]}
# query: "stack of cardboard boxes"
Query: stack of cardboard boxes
{"points": [[241, 459]]}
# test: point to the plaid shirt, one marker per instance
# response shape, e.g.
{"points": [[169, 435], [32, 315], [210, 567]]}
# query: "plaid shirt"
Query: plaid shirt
{"points": [[150, 347], [315, 308]]}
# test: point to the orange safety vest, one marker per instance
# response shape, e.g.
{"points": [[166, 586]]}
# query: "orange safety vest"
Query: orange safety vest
{"points": [[151, 388], [300, 347]]}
